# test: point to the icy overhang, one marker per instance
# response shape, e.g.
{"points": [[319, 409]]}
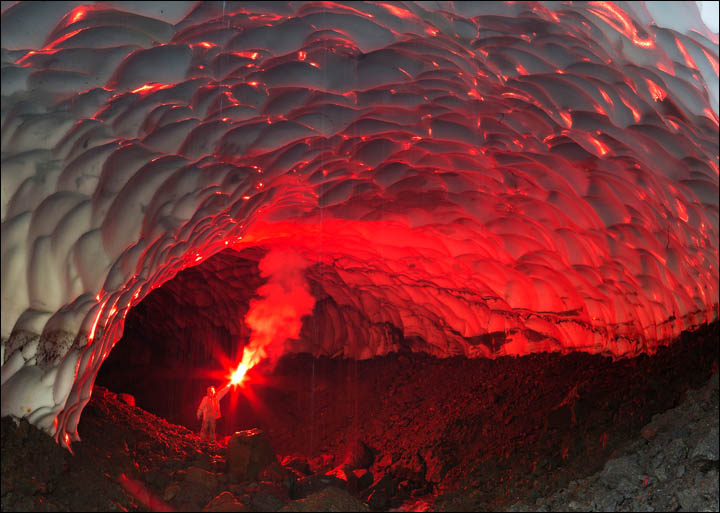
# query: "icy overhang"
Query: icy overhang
{"points": [[488, 179]]}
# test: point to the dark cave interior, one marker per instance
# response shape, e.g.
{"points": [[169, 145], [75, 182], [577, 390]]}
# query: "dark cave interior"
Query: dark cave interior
{"points": [[439, 421], [185, 335]]}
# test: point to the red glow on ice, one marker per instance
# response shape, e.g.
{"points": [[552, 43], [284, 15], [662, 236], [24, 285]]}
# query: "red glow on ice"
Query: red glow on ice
{"points": [[606, 97], [657, 92], [545, 11], [150, 88], [599, 146], [682, 211], [633, 110], [644, 43], [516, 96], [333, 5], [246, 55], [67, 443], [91, 336], [398, 11], [567, 117], [267, 16], [668, 67], [712, 59], [63, 38], [620, 21], [686, 55], [711, 115], [33, 52], [78, 14]]}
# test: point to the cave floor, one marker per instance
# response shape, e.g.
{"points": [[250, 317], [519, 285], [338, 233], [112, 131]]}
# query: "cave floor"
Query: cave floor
{"points": [[450, 434]]}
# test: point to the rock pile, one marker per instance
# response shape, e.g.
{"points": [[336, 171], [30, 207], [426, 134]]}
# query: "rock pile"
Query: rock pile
{"points": [[252, 479], [672, 467]]}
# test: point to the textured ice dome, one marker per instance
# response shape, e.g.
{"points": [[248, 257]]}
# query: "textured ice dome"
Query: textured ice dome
{"points": [[489, 178]]}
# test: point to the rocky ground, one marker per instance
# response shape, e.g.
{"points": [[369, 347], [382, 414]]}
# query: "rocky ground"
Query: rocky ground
{"points": [[673, 466], [404, 432]]}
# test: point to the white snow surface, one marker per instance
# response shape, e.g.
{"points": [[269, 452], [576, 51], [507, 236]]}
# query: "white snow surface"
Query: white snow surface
{"points": [[544, 171]]}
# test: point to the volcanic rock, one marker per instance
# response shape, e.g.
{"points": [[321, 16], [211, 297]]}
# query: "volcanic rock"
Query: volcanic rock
{"points": [[192, 496], [268, 499], [202, 477], [328, 499], [321, 463], [649, 431], [363, 478], [170, 492], [311, 484], [275, 473], [359, 456], [298, 463], [622, 474], [342, 474], [202, 460], [380, 493], [379, 499], [707, 446], [385, 461], [226, 502], [127, 399], [672, 466], [248, 453]]}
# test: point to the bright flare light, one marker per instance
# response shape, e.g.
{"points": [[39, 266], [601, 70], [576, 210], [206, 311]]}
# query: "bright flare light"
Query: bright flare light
{"points": [[239, 374], [249, 360]]}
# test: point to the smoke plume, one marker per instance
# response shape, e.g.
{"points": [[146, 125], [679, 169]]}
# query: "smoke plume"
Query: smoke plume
{"points": [[276, 316]]}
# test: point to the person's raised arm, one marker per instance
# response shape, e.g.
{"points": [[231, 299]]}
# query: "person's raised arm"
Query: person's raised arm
{"points": [[224, 390]]}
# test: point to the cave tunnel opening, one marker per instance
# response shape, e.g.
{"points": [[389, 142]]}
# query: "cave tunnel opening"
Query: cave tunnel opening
{"points": [[177, 339], [190, 333], [507, 423]]}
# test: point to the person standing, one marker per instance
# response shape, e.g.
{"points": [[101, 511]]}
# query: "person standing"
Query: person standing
{"points": [[209, 411]]}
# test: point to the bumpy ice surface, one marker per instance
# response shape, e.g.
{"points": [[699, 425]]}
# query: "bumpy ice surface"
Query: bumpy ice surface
{"points": [[488, 178]]}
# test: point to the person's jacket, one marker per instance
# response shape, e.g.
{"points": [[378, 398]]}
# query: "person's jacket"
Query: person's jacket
{"points": [[210, 406]]}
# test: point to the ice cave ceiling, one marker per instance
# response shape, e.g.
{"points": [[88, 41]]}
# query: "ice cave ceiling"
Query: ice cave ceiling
{"points": [[544, 174]]}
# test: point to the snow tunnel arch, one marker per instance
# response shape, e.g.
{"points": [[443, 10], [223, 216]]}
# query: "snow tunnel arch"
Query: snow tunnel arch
{"points": [[192, 331], [488, 178]]}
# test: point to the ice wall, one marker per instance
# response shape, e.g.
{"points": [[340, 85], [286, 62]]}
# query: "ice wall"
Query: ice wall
{"points": [[488, 178]]}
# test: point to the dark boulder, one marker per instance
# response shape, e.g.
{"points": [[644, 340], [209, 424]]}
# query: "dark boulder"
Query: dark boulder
{"points": [[358, 456], [248, 453], [328, 499], [298, 463], [311, 484]]}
